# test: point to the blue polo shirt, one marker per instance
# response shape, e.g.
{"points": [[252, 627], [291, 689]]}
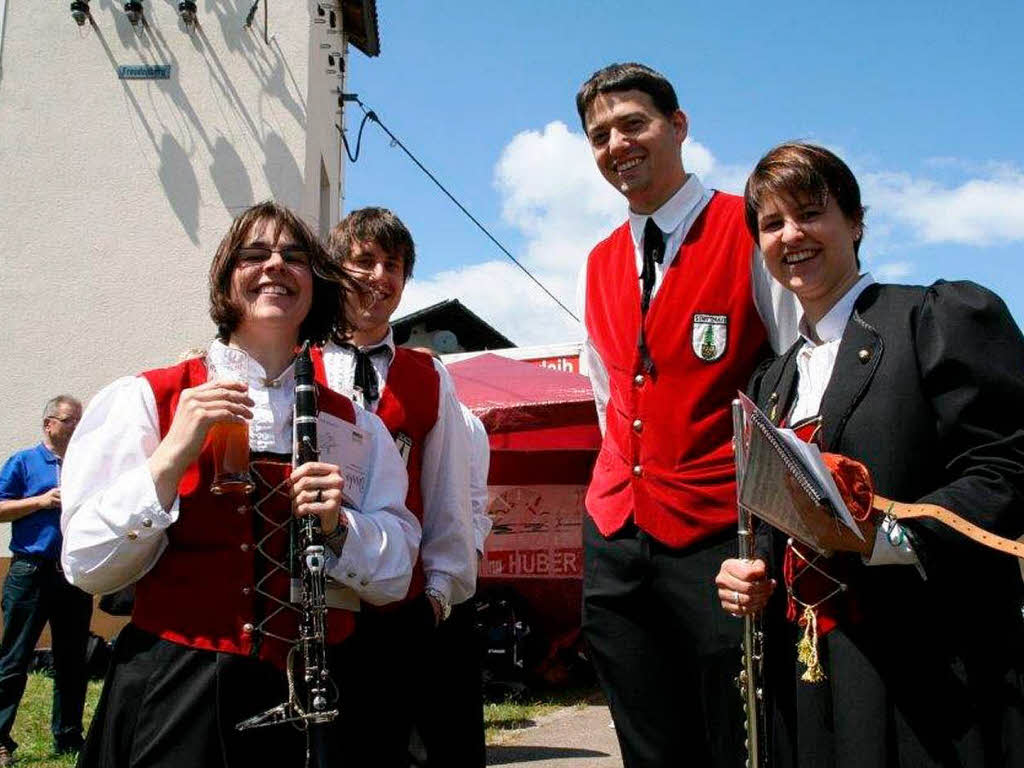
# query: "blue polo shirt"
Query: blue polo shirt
{"points": [[30, 473]]}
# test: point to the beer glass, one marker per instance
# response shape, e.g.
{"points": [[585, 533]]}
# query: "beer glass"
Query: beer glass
{"points": [[229, 440]]}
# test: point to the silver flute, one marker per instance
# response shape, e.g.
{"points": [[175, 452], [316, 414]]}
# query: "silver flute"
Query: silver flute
{"points": [[750, 680]]}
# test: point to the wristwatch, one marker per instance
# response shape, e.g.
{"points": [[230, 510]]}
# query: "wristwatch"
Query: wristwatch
{"points": [[446, 606], [335, 540]]}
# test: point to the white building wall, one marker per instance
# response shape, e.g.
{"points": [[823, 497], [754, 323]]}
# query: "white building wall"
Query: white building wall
{"points": [[115, 193]]}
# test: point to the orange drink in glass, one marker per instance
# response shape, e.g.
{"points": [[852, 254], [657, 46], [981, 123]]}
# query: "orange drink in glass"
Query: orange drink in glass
{"points": [[229, 440]]}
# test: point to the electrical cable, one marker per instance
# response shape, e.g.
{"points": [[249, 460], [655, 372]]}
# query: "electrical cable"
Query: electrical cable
{"points": [[369, 114], [359, 139]]}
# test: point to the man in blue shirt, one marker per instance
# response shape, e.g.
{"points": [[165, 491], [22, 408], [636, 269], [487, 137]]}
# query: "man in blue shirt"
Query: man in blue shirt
{"points": [[35, 590]]}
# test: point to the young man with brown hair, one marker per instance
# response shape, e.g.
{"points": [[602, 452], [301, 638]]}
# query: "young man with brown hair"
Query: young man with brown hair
{"points": [[678, 311], [414, 396]]}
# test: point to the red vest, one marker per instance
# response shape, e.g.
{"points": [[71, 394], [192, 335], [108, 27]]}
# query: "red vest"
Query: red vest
{"points": [[408, 407], [201, 592], [666, 459]]}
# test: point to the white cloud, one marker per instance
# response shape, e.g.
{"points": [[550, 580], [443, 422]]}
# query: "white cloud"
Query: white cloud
{"points": [[892, 271], [978, 212], [554, 196], [502, 295], [727, 177]]}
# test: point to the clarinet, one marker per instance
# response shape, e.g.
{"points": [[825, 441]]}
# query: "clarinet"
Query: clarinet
{"points": [[308, 556], [751, 673]]}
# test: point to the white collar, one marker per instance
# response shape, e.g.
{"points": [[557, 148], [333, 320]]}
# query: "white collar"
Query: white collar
{"points": [[832, 325], [388, 341], [672, 212]]}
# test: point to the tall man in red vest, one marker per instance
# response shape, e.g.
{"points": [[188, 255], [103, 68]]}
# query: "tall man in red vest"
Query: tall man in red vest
{"points": [[414, 396], [678, 310]]}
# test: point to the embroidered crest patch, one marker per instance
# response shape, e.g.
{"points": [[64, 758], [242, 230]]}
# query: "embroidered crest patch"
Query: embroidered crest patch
{"points": [[710, 336]]}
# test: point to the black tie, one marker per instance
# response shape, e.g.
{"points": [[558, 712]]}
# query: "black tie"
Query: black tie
{"points": [[365, 377], [654, 251]]}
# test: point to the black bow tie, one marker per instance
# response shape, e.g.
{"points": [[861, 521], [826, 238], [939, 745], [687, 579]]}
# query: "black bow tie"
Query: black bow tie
{"points": [[365, 377]]}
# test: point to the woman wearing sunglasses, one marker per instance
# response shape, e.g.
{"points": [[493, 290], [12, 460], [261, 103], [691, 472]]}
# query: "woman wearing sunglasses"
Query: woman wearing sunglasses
{"points": [[213, 621]]}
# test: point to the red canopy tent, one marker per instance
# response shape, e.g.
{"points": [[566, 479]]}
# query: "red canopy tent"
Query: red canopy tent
{"points": [[544, 439]]}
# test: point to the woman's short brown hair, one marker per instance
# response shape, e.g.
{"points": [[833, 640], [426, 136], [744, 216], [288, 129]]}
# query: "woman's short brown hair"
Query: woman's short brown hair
{"points": [[798, 168], [326, 314]]}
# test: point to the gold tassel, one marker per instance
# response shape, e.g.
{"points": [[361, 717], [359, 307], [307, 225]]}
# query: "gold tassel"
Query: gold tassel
{"points": [[807, 648]]}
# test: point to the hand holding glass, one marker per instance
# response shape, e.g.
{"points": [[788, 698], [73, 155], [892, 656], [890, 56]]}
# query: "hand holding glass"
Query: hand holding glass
{"points": [[229, 440]]}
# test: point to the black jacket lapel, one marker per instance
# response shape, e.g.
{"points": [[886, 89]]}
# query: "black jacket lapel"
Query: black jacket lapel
{"points": [[779, 385], [860, 353]]}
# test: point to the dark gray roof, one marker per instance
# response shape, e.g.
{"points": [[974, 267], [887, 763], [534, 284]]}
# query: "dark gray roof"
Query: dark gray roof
{"points": [[359, 22], [474, 334]]}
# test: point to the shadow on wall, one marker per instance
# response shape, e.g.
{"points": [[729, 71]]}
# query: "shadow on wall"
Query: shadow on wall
{"points": [[230, 177], [283, 174], [175, 169], [174, 144], [180, 184], [268, 64]]}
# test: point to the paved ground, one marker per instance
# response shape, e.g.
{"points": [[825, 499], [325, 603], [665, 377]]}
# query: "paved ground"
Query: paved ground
{"points": [[574, 737]]}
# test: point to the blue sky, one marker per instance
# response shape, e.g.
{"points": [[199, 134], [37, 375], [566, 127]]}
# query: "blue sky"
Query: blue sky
{"points": [[923, 100]]}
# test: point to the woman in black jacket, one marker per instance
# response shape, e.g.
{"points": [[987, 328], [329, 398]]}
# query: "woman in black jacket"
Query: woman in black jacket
{"points": [[920, 646]]}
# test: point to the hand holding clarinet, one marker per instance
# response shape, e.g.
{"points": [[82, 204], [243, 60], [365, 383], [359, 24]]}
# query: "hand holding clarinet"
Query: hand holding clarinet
{"points": [[316, 502]]}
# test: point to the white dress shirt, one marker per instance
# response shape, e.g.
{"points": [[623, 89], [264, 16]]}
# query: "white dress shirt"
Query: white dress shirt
{"points": [[447, 547], [777, 307], [815, 361], [479, 465], [115, 527]]}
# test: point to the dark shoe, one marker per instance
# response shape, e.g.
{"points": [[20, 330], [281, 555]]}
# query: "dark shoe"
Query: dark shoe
{"points": [[6, 757], [70, 745]]}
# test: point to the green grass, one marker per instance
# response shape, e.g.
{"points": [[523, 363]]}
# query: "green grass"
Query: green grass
{"points": [[35, 744], [523, 711], [32, 726]]}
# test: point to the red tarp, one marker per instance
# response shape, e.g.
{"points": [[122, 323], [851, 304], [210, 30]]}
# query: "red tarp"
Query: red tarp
{"points": [[544, 439], [526, 407]]}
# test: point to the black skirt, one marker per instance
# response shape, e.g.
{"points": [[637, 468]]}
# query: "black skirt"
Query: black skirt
{"points": [[897, 696], [166, 705]]}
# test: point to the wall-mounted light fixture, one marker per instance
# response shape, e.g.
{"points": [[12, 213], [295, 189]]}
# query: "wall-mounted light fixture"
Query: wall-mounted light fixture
{"points": [[133, 10], [80, 11], [187, 12]]}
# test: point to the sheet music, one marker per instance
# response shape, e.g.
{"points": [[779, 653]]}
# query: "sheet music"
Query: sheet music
{"points": [[809, 456], [347, 446]]}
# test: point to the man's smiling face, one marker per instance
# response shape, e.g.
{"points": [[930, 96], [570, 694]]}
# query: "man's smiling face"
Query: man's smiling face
{"points": [[382, 275], [636, 147]]}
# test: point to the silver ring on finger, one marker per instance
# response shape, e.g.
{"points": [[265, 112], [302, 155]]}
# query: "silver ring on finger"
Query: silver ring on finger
{"points": [[736, 597]]}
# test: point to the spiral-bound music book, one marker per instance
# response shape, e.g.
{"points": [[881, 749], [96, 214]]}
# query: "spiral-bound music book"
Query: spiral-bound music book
{"points": [[786, 484]]}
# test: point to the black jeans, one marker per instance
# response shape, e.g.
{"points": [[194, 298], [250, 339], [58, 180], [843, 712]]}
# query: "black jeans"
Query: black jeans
{"points": [[384, 673], [664, 650], [35, 592], [450, 705]]}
